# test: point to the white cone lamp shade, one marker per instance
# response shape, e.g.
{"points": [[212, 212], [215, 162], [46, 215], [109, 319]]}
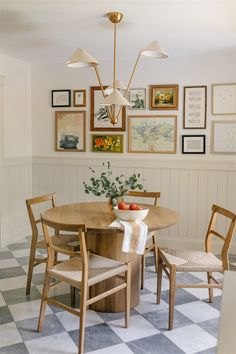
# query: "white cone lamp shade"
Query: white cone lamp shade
{"points": [[81, 59], [154, 50], [115, 98], [119, 86]]}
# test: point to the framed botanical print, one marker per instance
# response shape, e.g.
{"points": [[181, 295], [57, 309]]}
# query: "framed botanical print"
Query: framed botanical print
{"points": [[224, 99], [195, 106], [99, 119], [223, 137], [193, 144], [152, 134], [163, 97], [79, 98], [107, 143], [70, 131], [61, 98], [137, 98]]}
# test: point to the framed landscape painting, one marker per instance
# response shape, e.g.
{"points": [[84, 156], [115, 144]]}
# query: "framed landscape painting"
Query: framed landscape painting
{"points": [[152, 134], [61, 98], [137, 98], [163, 97], [107, 143], [99, 119], [70, 131]]}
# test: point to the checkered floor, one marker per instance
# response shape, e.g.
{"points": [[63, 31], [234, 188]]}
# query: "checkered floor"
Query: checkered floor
{"points": [[195, 327]]}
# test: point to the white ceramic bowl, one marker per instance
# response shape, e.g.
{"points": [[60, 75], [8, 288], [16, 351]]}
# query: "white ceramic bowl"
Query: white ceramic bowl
{"points": [[130, 215]]}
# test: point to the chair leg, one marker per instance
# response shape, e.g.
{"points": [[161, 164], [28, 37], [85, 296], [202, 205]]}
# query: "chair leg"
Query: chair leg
{"points": [[210, 290], [159, 279], [127, 297], [172, 291], [155, 250], [142, 270], [45, 292], [72, 296], [31, 266], [83, 302]]}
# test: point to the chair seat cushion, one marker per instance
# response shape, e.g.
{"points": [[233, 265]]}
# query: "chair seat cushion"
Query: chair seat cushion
{"points": [[100, 268], [64, 241], [191, 260]]}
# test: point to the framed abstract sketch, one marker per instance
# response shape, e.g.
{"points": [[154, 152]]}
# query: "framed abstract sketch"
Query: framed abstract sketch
{"points": [[70, 131], [195, 106], [152, 134], [163, 97], [107, 143], [223, 138], [99, 119], [79, 98], [61, 98], [193, 144], [137, 98], [224, 99]]}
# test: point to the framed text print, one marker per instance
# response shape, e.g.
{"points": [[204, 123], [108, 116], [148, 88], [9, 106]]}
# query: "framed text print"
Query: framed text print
{"points": [[195, 107]]}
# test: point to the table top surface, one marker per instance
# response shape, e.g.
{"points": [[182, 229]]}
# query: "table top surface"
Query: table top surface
{"points": [[99, 215]]}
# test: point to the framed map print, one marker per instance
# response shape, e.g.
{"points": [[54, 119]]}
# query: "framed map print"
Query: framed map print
{"points": [[152, 134]]}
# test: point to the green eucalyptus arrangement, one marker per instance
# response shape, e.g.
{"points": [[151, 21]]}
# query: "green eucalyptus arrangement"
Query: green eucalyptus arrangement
{"points": [[109, 186]]}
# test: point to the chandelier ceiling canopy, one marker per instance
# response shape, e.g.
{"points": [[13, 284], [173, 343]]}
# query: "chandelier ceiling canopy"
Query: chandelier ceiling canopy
{"points": [[113, 96]]}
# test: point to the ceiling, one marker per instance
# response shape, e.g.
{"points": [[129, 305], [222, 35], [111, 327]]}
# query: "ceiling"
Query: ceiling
{"points": [[51, 30]]}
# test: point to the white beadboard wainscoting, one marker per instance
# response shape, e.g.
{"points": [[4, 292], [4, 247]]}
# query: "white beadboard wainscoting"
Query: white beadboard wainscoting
{"points": [[189, 187], [16, 187]]}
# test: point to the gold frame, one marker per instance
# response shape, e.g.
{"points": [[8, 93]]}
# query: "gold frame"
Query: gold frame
{"points": [[107, 136], [57, 116], [166, 106], [130, 150], [83, 91]]}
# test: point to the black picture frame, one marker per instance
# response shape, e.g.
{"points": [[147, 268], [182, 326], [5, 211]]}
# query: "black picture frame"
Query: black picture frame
{"points": [[193, 148], [61, 98]]}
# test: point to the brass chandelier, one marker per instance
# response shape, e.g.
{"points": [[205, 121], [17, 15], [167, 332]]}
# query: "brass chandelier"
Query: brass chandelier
{"points": [[113, 96]]}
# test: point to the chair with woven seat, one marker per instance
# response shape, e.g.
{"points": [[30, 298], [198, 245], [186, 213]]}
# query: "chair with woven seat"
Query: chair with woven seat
{"points": [[81, 271], [151, 244], [65, 241], [174, 260]]}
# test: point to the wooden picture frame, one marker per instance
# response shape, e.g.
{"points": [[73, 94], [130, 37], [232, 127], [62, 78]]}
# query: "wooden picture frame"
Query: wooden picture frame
{"points": [[112, 143], [61, 98], [163, 97], [79, 98], [193, 144], [99, 120], [70, 131], [195, 107], [223, 137], [137, 98], [152, 134], [224, 99]]}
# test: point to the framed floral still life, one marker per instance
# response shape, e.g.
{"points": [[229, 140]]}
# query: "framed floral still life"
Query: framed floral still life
{"points": [[79, 98], [61, 98], [137, 98], [152, 134], [107, 143], [70, 131], [99, 119], [163, 97], [195, 107], [193, 144], [223, 138]]}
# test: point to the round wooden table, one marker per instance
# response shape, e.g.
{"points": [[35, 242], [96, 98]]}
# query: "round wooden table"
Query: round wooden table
{"points": [[107, 242]]}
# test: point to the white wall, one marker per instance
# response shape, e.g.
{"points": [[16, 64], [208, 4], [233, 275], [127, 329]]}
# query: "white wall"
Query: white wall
{"points": [[189, 184]]}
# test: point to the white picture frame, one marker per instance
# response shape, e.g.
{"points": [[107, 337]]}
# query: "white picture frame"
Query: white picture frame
{"points": [[223, 139], [137, 98], [224, 99]]}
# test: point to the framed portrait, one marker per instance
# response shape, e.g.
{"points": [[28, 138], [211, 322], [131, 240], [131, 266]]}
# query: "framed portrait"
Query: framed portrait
{"points": [[152, 134], [79, 98], [224, 99], [107, 143], [70, 131], [99, 119], [223, 137], [137, 98], [193, 144], [163, 97], [195, 107], [61, 98]]}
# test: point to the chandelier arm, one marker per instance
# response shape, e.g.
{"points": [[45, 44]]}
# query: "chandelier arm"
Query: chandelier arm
{"points": [[95, 66], [114, 59]]}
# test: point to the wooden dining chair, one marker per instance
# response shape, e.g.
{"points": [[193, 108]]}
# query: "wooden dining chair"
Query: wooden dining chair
{"points": [[81, 271], [180, 260], [47, 201], [151, 244]]}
